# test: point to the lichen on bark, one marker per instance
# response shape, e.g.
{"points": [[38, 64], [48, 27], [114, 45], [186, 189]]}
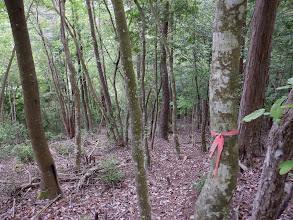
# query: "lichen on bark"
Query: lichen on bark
{"points": [[215, 196]]}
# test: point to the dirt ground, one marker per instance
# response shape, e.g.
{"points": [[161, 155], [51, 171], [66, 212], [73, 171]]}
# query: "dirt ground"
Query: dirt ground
{"points": [[173, 183]]}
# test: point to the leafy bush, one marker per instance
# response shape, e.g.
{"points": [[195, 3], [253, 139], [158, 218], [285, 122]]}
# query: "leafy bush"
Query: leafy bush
{"points": [[112, 175], [24, 153], [12, 133]]}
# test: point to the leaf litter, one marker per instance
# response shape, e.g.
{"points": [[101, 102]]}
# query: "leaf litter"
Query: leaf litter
{"points": [[174, 183]]}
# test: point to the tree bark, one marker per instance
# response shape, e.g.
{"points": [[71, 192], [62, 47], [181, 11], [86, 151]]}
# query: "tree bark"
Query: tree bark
{"points": [[134, 110], [164, 115], [203, 125], [271, 186], [49, 186], [256, 76], [156, 110], [143, 96], [216, 194]]}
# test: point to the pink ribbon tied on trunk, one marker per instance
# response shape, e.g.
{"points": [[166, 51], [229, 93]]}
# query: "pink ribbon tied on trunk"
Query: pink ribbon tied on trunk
{"points": [[219, 142]]}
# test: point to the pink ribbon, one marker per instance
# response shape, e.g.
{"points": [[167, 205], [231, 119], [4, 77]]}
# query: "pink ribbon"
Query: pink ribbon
{"points": [[219, 142]]}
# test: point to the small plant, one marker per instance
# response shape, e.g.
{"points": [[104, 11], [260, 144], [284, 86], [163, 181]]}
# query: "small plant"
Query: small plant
{"points": [[5, 152], [112, 175], [199, 184], [66, 150], [49, 135], [24, 153]]}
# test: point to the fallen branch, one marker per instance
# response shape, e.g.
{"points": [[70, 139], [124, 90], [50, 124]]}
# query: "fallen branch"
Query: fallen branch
{"points": [[13, 209], [43, 209], [86, 176], [242, 166]]}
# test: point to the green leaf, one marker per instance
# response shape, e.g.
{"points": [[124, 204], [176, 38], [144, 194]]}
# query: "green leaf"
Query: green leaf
{"points": [[254, 115], [276, 110], [277, 120], [290, 81], [287, 106], [284, 87], [266, 113], [285, 167]]}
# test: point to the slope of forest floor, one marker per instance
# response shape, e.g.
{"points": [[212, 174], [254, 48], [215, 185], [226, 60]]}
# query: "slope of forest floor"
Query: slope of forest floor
{"points": [[173, 183]]}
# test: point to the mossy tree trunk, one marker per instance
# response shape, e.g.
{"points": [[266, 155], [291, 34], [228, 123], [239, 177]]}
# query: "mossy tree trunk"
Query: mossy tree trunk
{"points": [[215, 196], [271, 185], [143, 96], [134, 110], [49, 186]]}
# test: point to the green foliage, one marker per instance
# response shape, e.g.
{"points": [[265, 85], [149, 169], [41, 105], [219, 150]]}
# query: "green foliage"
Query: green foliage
{"points": [[12, 133], [276, 110], [285, 167], [254, 115], [5, 152], [24, 153], [199, 184], [49, 135], [65, 150], [112, 174]]}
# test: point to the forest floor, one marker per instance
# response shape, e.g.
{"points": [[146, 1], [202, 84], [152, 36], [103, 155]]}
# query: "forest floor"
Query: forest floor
{"points": [[173, 183]]}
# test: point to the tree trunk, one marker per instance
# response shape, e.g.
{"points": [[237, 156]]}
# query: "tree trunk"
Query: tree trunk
{"points": [[154, 127], [256, 76], [134, 110], [216, 194], [271, 186], [49, 186], [75, 89], [164, 115], [143, 97], [203, 125]]}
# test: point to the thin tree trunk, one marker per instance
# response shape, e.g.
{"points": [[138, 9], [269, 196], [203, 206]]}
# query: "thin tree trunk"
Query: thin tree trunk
{"points": [[216, 194], [203, 125], [143, 102], [164, 115], [134, 110], [94, 93], [49, 186], [101, 75], [163, 31], [271, 185], [63, 111], [157, 93], [75, 89], [8, 69], [256, 76]]}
